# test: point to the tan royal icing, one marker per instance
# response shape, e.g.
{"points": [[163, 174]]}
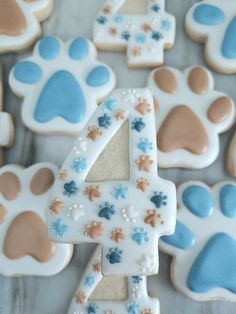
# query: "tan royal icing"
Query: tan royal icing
{"points": [[134, 7], [42, 181], [9, 186], [3, 214], [198, 80], [27, 235], [182, 129], [166, 81], [220, 109]]}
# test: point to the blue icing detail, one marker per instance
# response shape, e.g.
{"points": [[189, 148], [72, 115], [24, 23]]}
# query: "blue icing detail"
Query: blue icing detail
{"points": [[59, 228], [126, 35], [79, 164], [228, 200], [102, 20], [207, 14], [183, 238], [104, 121], [138, 124], [111, 104], [27, 72], [141, 38], [229, 43], [132, 308], [70, 188], [145, 146], [165, 25], [157, 36], [120, 192], [98, 76], [79, 49], [140, 236], [106, 211], [61, 96], [89, 280], [49, 48], [215, 266], [198, 200], [155, 8], [118, 18], [92, 308], [115, 255], [137, 279], [159, 199]]}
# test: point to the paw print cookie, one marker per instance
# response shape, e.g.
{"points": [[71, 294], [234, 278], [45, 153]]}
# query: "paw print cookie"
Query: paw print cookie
{"points": [[25, 248], [213, 23], [20, 22], [91, 285], [61, 84], [190, 116], [204, 243], [142, 28], [231, 160], [122, 216]]}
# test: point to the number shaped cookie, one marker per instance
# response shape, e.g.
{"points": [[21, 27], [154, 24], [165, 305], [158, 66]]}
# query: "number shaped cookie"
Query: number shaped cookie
{"points": [[138, 299], [61, 84], [213, 22], [25, 248], [145, 34], [190, 116], [231, 161], [122, 216], [20, 22], [204, 243]]}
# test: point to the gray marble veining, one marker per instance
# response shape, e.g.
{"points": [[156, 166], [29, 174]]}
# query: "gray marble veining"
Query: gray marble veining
{"points": [[29, 295]]}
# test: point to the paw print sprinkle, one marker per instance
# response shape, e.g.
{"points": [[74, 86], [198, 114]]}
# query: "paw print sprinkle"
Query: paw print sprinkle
{"points": [[56, 206], [115, 255], [132, 308], [137, 279], [143, 184], [107, 210], [106, 9], [136, 51], [70, 189], [105, 121], [157, 36], [59, 228], [146, 27], [120, 192], [94, 230], [126, 35], [80, 146], [147, 264], [93, 133], [129, 214], [110, 104], [143, 106], [138, 124], [102, 20], [153, 217], [140, 236], [89, 280], [93, 192], [92, 308], [76, 211], [146, 311], [79, 164], [109, 312], [144, 163], [80, 297], [63, 174], [117, 235], [159, 199], [145, 146], [97, 267], [155, 8], [119, 115]]}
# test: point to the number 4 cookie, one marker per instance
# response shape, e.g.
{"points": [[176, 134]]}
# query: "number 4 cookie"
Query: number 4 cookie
{"points": [[126, 216], [143, 35], [231, 161]]}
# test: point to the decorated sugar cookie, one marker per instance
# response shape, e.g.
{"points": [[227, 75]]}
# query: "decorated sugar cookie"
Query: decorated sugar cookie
{"points": [[20, 22], [213, 23], [122, 216], [231, 161], [138, 300], [25, 248], [142, 27], [190, 116], [61, 84], [204, 243]]}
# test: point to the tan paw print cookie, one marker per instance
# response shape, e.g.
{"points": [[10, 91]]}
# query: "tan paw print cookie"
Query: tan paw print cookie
{"points": [[24, 245], [190, 116], [231, 161], [19, 22]]}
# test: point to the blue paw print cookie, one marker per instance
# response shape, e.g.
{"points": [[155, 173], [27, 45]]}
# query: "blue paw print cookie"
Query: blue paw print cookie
{"points": [[204, 243], [61, 84]]}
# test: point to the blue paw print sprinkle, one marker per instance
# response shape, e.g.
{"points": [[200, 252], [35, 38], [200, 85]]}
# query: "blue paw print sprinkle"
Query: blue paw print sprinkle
{"points": [[92, 308], [145, 146], [118, 19], [157, 36], [114, 256], [70, 189], [107, 211], [140, 236], [111, 104], [140, 38], [59, 228], [126, 35], [120, 192], [159, 199], [155, 8], [102, 20], [165, 25], [89, 281], [105, 121], [138, 124], [132, 308], [79, 164], [137, 279]]}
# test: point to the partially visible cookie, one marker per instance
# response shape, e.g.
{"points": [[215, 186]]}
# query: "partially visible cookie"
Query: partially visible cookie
{"points": [[231, 161]]}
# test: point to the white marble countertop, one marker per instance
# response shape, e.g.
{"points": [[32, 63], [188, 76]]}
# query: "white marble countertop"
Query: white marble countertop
{"points": [[53, 295]]}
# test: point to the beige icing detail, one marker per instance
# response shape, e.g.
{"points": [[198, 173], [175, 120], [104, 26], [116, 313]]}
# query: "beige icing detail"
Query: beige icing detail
{"points": [[94, 230], [220, 109], [12, 19], [10, 186], [182, 129], [134, 7], [3, 213], [166, 81], [93, 192], [27, 235], [198, 81], [42, 181], [117, 235]]}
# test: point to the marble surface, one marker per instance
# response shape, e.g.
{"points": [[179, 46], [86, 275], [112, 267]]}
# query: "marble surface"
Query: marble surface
{"points": [[52, 295]]}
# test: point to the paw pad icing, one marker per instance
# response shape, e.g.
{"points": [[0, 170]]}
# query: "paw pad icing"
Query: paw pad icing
{"points": [[25, 248], [204, 244], [145, 36], [190, 117], [112, 216], [74, 74]]}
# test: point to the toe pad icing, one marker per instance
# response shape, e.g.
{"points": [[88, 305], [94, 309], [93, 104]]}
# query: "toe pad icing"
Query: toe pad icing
{"points": [[49, 48], [98, 76], [228, 200], [27, 72], [79, 49], [208, 15]]}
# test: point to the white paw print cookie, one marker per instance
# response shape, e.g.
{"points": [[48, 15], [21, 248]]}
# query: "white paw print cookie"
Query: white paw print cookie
{"points": [[231, 160], [20, 22], [213, 23], [204, 244], [190, 116], [122, 216], [24, 245], [135, 298], [141, 27], [61, 84]]}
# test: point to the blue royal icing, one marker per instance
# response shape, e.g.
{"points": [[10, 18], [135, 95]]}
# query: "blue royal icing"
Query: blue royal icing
{"points": [[228, 200], [49, 48], [229, 43], [27, 72], [207, 14], [79, 49], [98, 76]]}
